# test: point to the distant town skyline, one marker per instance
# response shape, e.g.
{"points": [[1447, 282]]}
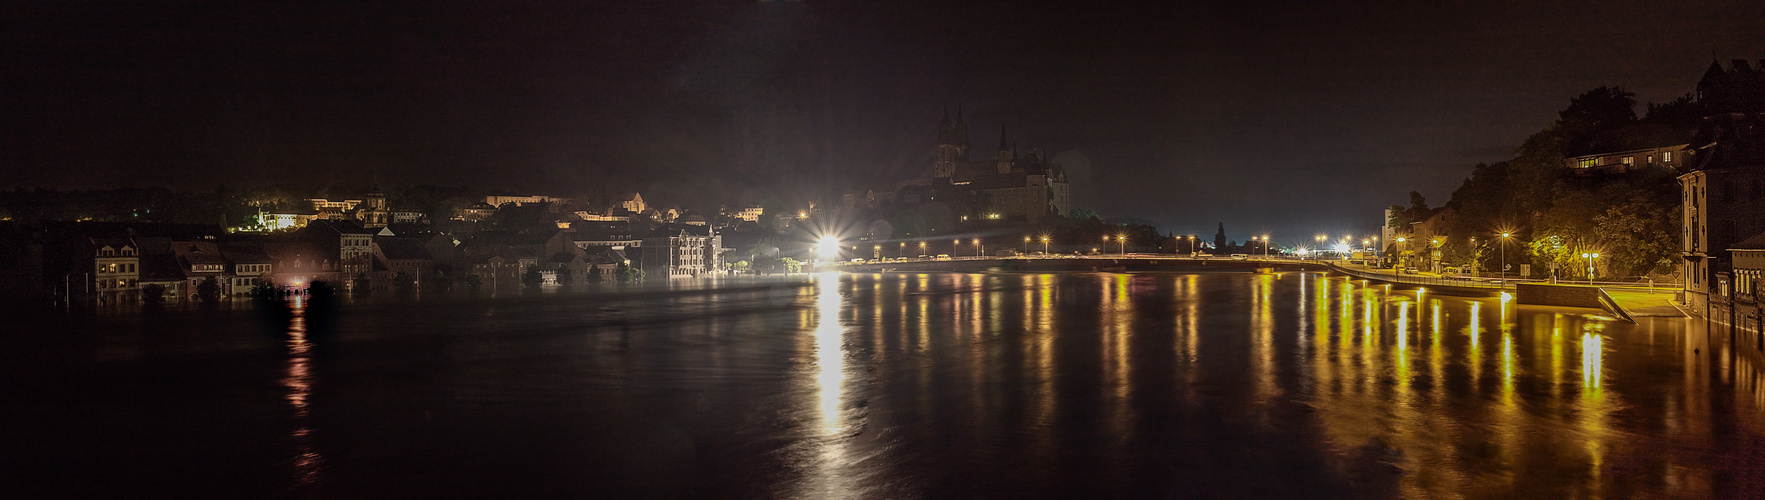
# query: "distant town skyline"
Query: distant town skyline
{"points": [[1288, 120]]}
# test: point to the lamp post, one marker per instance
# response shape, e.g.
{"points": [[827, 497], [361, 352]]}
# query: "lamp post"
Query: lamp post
{"points": [[1590, 257], [979, 249], [1503, 243], [1044, 245], [1106, 241], [955, 247], [1265, 247], [1191, 246], [901, 253], [1123, 239], [1400, 249], [1026, 244], [922, 248]]}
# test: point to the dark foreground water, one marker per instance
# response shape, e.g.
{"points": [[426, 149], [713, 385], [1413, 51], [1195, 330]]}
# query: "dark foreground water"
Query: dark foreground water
{"points": [[887, 386]]}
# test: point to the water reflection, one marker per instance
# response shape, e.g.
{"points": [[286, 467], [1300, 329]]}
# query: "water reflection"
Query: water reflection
{"points": [[298, 381]]}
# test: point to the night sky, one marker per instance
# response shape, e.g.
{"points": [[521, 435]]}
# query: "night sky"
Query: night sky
{"points": [[1263, 115]]}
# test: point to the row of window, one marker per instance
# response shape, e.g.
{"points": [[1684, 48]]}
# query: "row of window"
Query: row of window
{"points": [[116, 268], [1666, 157], [1744, 280], [108, 252]]}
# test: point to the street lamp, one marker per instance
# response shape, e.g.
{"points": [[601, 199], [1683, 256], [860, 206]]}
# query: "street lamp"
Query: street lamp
{"points": [[1044, 245], [979, 249], [1504, 257], [1590, 257], [955, 247], [1401, 248], [901, 252], [1191, 246], [922, 247], [1265, 247], [1026, 244], [1123, 239]]}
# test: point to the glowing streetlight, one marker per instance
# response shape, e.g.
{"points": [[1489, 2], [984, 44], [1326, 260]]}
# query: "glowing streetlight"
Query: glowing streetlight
{"points": [[1590, 257], [1026, 244], [979, 249], [828, 248], [876, 251], [954, 245], [1044, 245], [922, 247], [1191, 245], [1265, 246], [1504, 257]]}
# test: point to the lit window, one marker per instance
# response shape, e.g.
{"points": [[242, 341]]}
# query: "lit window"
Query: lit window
{"points": [[1667, 156], [1630, 160]]}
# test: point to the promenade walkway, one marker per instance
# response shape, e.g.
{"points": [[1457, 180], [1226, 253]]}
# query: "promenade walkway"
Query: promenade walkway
{"points": [[1635, 300]]}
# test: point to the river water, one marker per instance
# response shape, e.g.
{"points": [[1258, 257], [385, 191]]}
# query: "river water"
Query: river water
{"points": [[887, 386]]}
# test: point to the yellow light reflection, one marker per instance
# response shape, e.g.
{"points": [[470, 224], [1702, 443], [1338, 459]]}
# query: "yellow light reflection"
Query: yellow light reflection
{"points": [[829, 356], [1591, 345]]}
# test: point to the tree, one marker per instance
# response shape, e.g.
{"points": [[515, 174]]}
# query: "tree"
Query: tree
{"points": [[1399, 218], [565, 276], [767, 264], [404, 281], [1219, 238], [474, 282], [1596, 111], [153, 294], [628, 274], [531, 278], [264, 290], [791, 265], [208, 290], [738, 267]]}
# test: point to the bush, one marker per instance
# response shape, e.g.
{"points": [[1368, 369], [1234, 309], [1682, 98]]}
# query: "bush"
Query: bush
{"points": [[531, 278], [628, 274], [209, 290], [153, 294]]}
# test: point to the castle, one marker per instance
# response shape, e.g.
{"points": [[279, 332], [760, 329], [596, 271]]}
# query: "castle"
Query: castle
{"points": [[1008, 186]]}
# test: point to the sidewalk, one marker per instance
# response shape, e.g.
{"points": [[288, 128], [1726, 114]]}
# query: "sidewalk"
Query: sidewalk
{"points": [[1644, 303]]}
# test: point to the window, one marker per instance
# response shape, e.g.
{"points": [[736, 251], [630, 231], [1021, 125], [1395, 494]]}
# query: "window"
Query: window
{"points": [[1651, 159], [1667, 156], [1630, 160]]}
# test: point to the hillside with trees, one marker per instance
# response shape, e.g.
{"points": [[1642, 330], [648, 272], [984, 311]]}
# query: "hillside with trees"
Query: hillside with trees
{"points": [[1630, 218]]}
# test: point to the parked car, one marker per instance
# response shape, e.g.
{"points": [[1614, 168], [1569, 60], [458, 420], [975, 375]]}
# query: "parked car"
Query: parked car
{"points": [[1240, 256]]}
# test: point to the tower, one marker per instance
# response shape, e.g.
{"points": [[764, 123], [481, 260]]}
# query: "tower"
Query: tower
{"points": [[952, 145], [1004, 158]]}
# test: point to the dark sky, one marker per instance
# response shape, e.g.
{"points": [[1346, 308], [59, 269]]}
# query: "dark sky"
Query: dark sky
{"points": [[1294, 119]]}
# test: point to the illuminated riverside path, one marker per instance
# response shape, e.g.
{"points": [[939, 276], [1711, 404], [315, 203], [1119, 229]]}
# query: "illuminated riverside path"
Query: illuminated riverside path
{"points": [[1083, 385]]}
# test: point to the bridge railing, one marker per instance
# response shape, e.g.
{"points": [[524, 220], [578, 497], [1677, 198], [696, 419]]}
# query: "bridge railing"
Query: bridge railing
{"points": [[1428, 280]]}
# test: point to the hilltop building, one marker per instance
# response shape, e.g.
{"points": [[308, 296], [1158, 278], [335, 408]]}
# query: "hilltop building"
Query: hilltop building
{"points": [[1006, 186]]}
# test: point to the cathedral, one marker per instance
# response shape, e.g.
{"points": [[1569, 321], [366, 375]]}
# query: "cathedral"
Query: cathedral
{"points": [[1006, 187]]}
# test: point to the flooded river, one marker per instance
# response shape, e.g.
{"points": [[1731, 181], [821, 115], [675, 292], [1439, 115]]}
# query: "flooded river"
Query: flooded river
{"points": [[887, 386]]}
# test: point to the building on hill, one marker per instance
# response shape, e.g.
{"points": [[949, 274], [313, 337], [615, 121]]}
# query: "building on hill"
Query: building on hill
{"points": [[1633, 148], [1005, 186], [1737, 89], [1722, 199]]}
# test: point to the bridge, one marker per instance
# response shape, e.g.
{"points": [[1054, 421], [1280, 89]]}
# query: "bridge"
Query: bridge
{"points": [[1084, 263]]}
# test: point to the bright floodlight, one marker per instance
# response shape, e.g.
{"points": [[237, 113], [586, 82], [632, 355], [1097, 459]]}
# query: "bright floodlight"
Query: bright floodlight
{"points": [[828, 248], [1342, 247]]}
